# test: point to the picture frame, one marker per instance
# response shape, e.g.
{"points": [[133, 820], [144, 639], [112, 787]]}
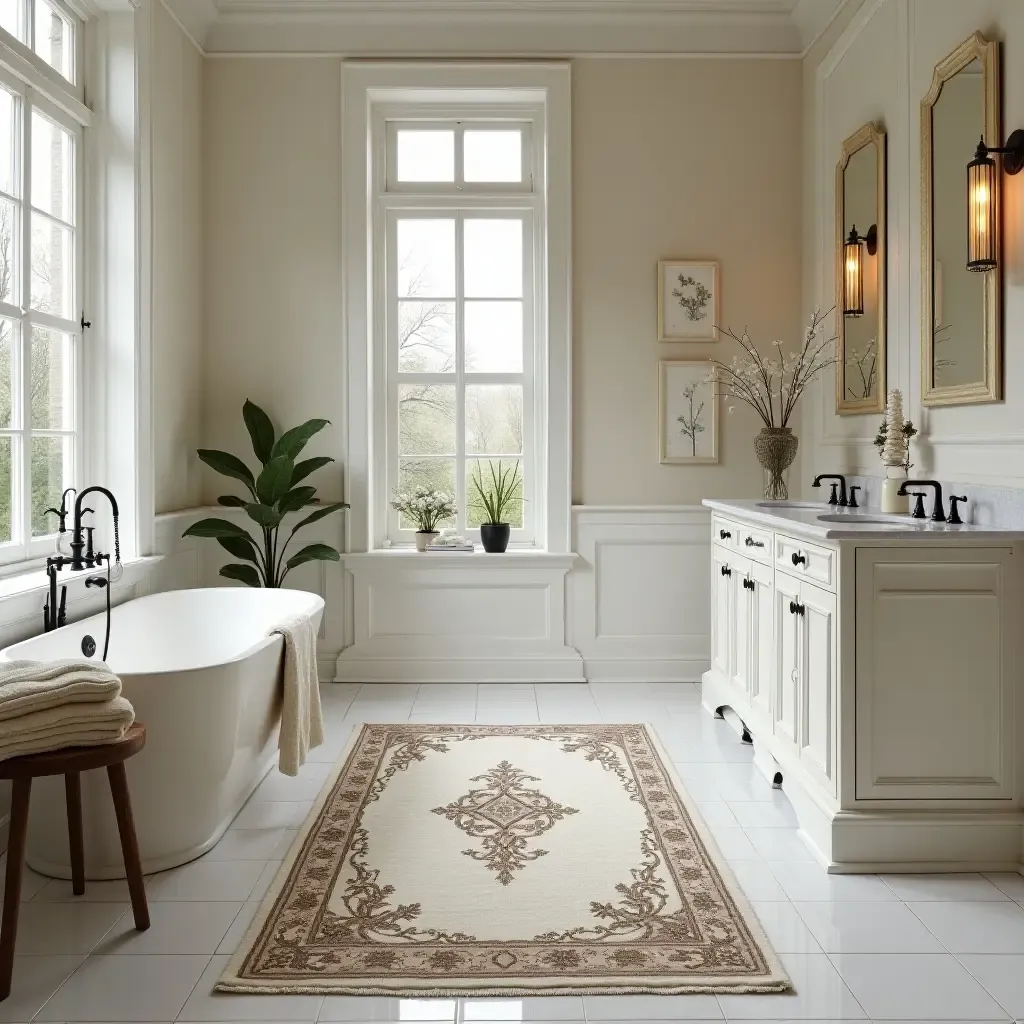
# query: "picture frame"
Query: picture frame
{"points": [[688, 300], [687, 412]]}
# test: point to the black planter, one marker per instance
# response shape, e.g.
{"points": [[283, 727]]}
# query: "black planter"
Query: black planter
{"points": [[494, 537]]}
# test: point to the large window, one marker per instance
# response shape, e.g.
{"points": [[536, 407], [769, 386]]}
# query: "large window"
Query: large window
{"points": [[40, 310], [459, 296], [48, 28]]}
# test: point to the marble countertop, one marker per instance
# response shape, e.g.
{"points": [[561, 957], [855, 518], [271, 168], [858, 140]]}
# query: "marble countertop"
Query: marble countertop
{"points": [[803, 518]]}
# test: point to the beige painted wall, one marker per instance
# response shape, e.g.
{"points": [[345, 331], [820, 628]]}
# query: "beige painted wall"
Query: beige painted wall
{"points": [[695, 158], [671, 158], [177, 263], [272, 249], [882, 70]]}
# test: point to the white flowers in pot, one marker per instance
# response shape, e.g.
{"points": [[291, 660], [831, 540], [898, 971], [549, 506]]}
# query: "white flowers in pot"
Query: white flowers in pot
{"points": [[427, 508]]}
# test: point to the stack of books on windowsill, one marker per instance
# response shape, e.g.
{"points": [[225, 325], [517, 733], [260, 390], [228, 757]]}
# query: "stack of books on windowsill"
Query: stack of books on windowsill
{"points": [[451, 543]]}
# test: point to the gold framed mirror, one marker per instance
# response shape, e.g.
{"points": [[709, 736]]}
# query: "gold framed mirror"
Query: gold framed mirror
{"points": [[961, 314], [861, 273]]}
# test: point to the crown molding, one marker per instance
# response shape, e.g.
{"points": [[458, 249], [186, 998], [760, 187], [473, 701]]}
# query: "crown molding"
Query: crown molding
{"points": [[813, 18], [494, 28]]}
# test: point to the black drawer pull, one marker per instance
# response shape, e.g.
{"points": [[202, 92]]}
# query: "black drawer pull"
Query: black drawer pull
{"points": [[799, 557], [751, 543], [795, 608], [748, 584], [726, 571], [724, 535]]}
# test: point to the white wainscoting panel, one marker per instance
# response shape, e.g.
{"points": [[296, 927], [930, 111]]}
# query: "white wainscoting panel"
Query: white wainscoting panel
{"points": [[189, 562], [639, 594], [418, 617]]}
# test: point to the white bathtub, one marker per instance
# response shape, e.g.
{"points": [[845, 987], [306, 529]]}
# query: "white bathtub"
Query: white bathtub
{"points": [[205, 679]]}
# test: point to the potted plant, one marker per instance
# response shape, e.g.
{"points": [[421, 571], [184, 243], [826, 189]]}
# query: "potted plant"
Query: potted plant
{"points": [[272, 495], [494, 497], [426, 507]]}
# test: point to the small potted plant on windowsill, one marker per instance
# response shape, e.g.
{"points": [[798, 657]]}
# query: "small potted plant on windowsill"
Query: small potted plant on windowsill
{"points": [[494, 498], [426, 508]]}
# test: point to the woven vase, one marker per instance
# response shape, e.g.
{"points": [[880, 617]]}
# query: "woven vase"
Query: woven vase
{"points": [[776, 449]]}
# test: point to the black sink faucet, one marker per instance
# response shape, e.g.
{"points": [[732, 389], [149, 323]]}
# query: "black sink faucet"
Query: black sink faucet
{"points": [[938, 512], [842, 487]]}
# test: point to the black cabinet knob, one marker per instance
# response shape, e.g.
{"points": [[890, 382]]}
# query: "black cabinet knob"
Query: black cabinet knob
{"points": [[799, 558], [724, 534], [726, 571], [795, 608], [751, 543]]}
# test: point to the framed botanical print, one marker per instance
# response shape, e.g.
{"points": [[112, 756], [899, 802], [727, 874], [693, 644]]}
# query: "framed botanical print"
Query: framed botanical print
{"points": [[688, 412], [687, 300]]}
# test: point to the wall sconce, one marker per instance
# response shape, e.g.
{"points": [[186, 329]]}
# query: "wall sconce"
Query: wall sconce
{"points": [[982, 209], [853, 268]]}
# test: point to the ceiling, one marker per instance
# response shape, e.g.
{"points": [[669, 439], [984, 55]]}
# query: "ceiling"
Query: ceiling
{"points": [[504, 27]]}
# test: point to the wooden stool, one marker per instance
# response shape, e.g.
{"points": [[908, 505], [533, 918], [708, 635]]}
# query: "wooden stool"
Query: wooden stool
{"points": [[69, 762]]}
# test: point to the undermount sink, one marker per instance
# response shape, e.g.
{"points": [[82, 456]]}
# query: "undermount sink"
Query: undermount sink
{"points": [[789, 504], [853, 519]]}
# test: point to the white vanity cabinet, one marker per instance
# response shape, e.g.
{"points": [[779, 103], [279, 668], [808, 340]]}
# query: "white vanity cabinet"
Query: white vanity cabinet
{"points": [[877, 672]]}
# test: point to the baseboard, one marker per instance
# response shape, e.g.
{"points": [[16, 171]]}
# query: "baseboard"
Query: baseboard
{"points": [[644, 670], [566, 669]]}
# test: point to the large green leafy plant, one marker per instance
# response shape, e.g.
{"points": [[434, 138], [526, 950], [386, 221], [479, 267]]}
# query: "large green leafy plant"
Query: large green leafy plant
{"points": [[273, 494]]}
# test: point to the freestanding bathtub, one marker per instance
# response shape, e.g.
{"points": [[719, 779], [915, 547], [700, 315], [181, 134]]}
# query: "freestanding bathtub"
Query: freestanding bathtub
{"points": [[205, 678]]}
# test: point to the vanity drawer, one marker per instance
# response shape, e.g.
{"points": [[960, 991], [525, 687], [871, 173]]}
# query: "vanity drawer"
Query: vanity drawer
{"points": [[725, 532], [756, 543], [806, 560]]}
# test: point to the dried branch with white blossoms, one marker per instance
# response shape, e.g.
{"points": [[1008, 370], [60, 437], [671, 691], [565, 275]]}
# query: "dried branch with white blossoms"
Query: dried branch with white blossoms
{"points": [[772, 385], [424, 506]]}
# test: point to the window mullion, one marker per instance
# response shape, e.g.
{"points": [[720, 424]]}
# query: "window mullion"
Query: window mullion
{"points": [[460, 377], [24, 499]]}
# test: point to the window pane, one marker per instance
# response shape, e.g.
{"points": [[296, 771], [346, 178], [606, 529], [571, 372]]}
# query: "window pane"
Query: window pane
{"points": [[488, 472], [437, 474], [7, 329], [6, 502], [51, 389], [8, 139], [8, 255], [426, 258], [51, 473], [425, 155], [493, 155], [53, 176], [10, 17], [53, 38], [52, 255], [494, 258], [494, 419], [426, 337], [426, 419], [494, 337]]}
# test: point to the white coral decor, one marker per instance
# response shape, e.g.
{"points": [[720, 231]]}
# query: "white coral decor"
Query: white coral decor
{"points": [[894, 452]]}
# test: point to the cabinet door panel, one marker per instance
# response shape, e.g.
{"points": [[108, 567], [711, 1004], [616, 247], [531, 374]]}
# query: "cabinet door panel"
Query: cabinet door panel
{"points": [[787, 659], [818, 684], [722, 613], [935, 715], [743, 648], [762, 605]]}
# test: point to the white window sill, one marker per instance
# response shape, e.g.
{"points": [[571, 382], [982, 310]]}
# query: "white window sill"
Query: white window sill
{"points": [[478, 559], [35, 580]]}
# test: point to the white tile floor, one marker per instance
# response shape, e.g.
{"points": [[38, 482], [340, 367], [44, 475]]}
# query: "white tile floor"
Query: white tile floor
{"points": [[913, 948]]}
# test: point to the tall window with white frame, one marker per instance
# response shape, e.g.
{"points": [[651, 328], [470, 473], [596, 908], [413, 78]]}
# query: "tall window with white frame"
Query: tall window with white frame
{"points": [[459, 214], [40, 260]]}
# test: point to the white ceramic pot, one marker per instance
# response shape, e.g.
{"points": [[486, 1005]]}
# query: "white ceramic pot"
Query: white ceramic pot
{"points": [[424, 538], [893, 502]]}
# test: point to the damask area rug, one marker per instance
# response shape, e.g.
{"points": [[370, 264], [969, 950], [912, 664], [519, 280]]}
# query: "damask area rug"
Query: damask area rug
{"points": [[504, 861]]}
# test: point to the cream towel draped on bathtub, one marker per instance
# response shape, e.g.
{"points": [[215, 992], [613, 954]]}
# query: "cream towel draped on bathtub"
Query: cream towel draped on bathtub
{"points": [[49, 705], [302, 723]]}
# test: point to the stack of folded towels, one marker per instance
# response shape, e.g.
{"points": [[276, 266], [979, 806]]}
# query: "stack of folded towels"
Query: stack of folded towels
{"points": [[49, 705]]}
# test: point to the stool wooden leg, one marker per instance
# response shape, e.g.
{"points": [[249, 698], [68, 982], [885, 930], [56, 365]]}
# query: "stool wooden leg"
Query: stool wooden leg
{"points": [[129, 843], [12, 883], [73, 792]]}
